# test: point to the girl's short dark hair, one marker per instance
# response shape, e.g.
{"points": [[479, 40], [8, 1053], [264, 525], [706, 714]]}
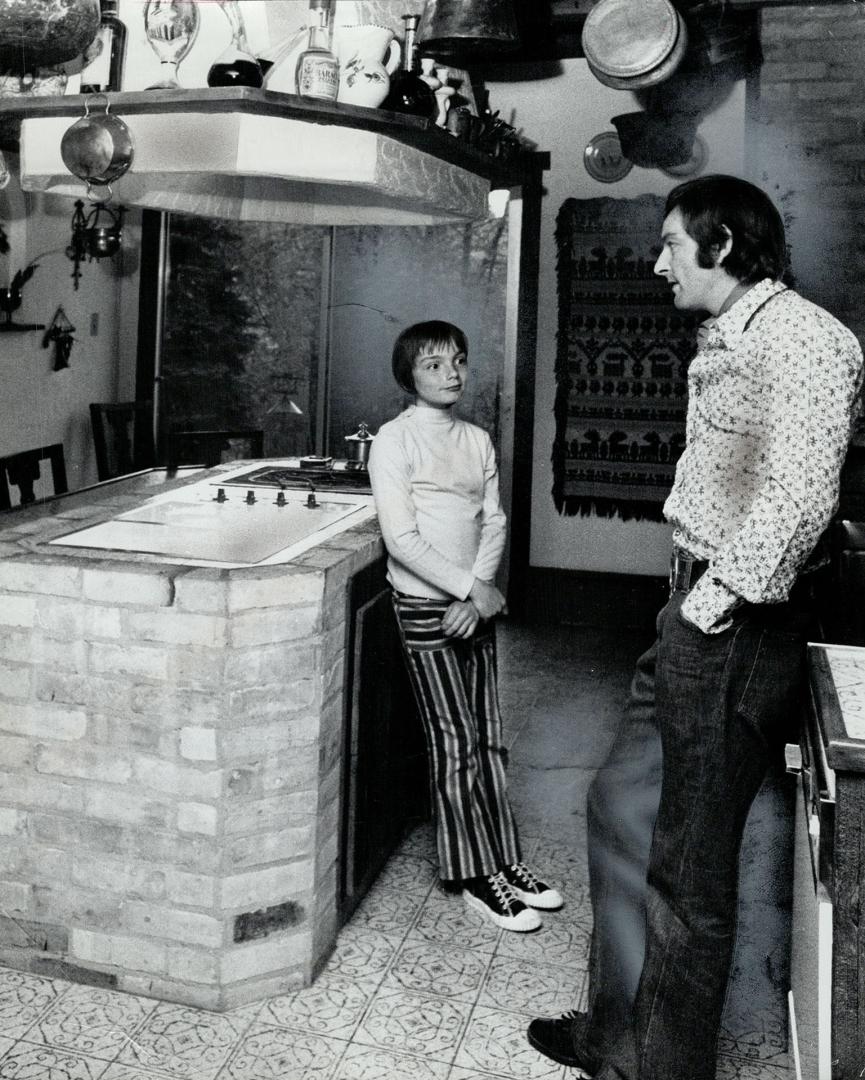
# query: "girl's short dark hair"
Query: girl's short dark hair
{"points": [[423, 337], [710, 205]]}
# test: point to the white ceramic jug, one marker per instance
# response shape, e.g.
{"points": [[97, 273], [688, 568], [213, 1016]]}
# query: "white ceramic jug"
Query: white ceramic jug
{"points": [[368, 56]]}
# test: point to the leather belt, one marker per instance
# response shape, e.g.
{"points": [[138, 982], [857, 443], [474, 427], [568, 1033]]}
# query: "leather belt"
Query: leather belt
{"points": [[685, 570]]}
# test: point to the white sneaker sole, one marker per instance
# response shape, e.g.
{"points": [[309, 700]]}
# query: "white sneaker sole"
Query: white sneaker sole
{"points": [[551, 900], [525, 921]]}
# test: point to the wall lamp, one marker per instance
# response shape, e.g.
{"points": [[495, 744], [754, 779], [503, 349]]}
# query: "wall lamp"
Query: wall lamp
{"points": [[95, 235]]}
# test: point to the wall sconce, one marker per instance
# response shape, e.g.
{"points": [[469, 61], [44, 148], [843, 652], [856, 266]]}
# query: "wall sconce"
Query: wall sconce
{"points": [[10, 300], [95, 235]]}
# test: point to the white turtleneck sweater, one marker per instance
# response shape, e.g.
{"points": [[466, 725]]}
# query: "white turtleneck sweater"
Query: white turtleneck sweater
{"points": [[436, 488]]}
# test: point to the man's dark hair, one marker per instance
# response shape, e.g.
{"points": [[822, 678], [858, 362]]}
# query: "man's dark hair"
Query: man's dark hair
{"points": [[423, 337], [710, 205]]}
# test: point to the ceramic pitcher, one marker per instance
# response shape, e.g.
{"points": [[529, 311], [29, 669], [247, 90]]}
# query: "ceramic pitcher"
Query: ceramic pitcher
{"points": [[367, 55]]}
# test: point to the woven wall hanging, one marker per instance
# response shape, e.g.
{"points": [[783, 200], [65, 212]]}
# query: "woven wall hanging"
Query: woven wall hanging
{"points": [[621, 362]]}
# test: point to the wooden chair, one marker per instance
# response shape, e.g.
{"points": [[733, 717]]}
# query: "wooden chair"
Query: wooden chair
{"points": [[212, 447], [22, 471], [122, 437]]}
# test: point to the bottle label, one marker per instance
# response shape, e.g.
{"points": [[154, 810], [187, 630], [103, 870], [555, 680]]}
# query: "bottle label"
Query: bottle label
{"points": [[98, 71], [318, 77]]}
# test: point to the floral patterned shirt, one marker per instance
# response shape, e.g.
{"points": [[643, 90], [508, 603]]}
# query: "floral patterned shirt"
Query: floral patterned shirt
{"points": [[771, 396]]}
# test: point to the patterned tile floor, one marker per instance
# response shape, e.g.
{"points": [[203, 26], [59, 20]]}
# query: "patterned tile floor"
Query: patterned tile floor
{"points": [[418, 988]]}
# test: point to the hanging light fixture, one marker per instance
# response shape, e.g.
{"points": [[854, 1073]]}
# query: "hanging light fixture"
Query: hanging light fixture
{"points": [[457, 30], [95, 235]]}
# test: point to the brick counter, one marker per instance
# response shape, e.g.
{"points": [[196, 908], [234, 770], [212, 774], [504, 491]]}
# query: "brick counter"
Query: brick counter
{"points": [[170, 757]]}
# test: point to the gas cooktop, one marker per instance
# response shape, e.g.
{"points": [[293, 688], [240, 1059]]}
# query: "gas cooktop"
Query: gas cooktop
{"points": [[334, 474]]}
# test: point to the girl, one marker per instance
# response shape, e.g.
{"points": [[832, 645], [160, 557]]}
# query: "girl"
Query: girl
{"points": [[435, 483]]}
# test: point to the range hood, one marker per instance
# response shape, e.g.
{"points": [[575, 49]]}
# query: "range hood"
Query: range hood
{"points": [[258, 155]]}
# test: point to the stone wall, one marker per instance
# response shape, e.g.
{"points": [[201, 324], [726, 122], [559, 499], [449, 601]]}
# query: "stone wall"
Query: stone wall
{"points": [[806, 146], [170, 760]]}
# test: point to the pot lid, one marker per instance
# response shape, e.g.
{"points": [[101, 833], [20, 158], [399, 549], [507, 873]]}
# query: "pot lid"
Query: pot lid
{"points": [[630, 44], [361, 435]]}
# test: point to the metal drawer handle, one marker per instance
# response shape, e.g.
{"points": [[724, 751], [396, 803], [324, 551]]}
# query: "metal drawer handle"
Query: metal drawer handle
{"points": [[793, 758]]}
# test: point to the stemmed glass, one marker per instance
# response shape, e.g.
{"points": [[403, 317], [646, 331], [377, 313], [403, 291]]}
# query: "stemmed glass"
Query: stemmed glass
{"points": [[170, 27]]}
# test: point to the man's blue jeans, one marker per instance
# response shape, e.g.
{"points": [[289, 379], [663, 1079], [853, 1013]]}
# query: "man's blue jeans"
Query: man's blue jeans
{"points": [[621, 809], [724, 703]]}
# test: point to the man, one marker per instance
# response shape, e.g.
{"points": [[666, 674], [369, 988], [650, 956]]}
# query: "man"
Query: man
{"points": [[771, 397]]}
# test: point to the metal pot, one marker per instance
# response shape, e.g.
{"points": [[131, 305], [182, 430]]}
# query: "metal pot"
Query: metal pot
{"points": [[630, 45], [357, 446], [97, 148]]}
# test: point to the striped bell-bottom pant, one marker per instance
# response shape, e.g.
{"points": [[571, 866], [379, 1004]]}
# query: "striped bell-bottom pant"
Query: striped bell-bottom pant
{"points": [[454, 681]]}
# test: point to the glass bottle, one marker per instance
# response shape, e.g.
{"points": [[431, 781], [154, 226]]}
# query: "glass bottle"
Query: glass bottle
{"points": [[408, 92], [170, 27], [104, 72], [235, 66], [317, 74]]}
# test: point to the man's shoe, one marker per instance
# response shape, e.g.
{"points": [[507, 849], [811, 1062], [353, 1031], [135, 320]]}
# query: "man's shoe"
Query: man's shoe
{"points": [[493, 897], [531, 890], [565, 1040]]}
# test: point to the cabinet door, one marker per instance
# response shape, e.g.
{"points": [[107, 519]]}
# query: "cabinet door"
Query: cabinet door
{"points": [[385, 784]]}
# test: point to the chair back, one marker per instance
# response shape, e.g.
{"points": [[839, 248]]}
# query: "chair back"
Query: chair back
{"points": [[22, 470], [122, 437], [213, 447]]}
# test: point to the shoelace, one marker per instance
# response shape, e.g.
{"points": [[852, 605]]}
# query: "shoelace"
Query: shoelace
{"points": [[571, 1014], [523, 872], [502, 889]]}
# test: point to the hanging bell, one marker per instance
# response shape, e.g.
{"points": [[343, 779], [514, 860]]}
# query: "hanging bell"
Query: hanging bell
{"points": [[456, 30]]}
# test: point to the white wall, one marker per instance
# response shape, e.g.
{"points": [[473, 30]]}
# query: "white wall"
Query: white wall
{"points": [[561, 114], [40, 406]]}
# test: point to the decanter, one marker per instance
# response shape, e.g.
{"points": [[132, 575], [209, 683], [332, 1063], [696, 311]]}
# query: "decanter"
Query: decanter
{"points": [[408, 92], [236, 65], [170, 27]]}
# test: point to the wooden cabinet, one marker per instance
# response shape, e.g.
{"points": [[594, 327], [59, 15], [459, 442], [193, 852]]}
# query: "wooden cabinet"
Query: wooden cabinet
{"points": [[385, 784], [833, 819]]}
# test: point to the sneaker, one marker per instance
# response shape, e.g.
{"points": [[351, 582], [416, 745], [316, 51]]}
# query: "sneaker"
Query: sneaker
{"points": [[493, 897], [530, 889], [565, 1040]]}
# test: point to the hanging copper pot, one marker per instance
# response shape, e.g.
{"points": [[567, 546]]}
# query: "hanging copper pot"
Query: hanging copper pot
{"points": [[465, 29], [655, 141], [42, 33], [98, 147]]}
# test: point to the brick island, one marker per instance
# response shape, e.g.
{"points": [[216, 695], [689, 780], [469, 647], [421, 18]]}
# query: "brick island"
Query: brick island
{"points": [[170, 758]]}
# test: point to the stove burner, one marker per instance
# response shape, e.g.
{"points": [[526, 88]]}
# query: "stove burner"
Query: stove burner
{"points": [[342, 475]]}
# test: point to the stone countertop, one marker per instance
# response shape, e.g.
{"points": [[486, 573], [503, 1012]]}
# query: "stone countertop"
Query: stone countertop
{"points": [[26, 532], [838, 687]]}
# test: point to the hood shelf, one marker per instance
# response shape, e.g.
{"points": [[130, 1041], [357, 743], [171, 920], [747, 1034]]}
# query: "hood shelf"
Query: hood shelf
{"points": [[259, 155]]}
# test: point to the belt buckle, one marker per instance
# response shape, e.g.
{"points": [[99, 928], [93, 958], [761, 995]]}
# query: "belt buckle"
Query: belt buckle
{"points": [[680, 571]]}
